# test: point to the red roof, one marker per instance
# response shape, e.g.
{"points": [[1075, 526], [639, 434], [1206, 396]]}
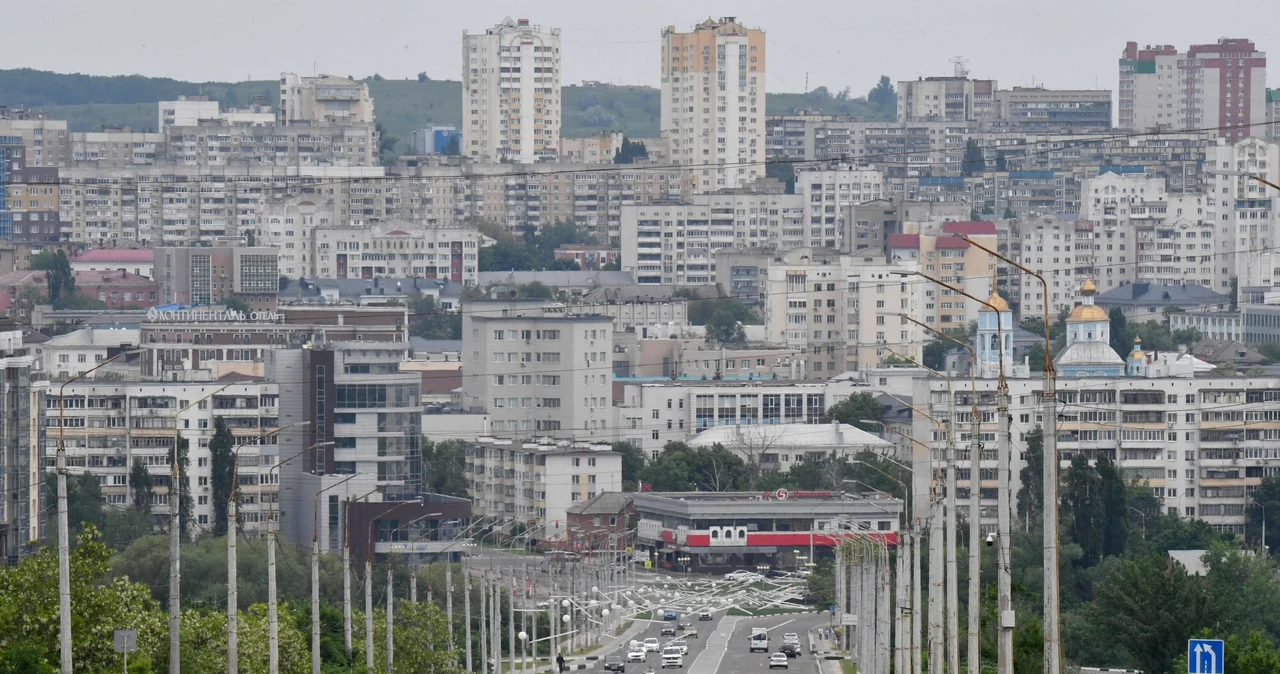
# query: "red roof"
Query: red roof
{"points": [[950, 242], [115, 255], [904, 241], [398, 232], [972, 227]]}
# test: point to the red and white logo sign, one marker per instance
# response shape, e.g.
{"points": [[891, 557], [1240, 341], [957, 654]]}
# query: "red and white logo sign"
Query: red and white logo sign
{"points": [[781, 494]]}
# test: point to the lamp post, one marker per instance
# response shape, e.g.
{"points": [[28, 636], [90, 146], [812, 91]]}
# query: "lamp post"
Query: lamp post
{"points": [[346, 572], [1052, 607], [1004, 462], [368, 587], [973, 653], [413, 577], [413, 588], [175, 538], [273, 624], [64, 543], [315, 574], [1144, 521], [233, 589]]}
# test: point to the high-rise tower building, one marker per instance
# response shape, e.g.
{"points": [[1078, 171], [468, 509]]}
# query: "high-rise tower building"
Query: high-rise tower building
{"points": [[713, 101], [511, 93], [1220, 86]]}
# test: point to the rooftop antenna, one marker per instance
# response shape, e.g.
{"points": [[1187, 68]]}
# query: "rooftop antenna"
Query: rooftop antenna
{"points": [[960, 64]]}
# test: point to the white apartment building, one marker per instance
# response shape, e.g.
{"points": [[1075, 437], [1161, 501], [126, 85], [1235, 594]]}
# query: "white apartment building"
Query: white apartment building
{"points": [[21, 410], [537, 370], [1220, 87], [326, 98], [392, 249], [952, 99], [713, 102], [47, 141], [841, 312], [827, 193], [655, 413], [1059, 249], [71, 354], [1141, 233], [109, 426], [511, 93], [1202, 443], [676, 243], [1243, 210], [537, 482], [192, 110]]}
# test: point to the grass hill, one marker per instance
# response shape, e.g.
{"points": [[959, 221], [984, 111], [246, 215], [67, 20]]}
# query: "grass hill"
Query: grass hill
{"points": [[90, 102]]}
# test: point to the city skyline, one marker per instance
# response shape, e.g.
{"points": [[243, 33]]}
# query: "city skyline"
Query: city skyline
{"points": [[1080, 53]]}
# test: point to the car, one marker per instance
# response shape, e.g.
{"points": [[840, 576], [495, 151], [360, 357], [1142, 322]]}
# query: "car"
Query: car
{"points": [[691, 633], [779, 660], [681, 644], [614, 663], [668, 631], [736, 575], [804, 573], [683, 624], [672, 657], [759, 642], [651, 645], [669, 615], [704, 615], [637, 654], [791, 650], [791, 638]]}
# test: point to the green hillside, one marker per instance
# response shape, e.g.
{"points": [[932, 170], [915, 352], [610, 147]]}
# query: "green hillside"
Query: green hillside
{"points": [[89, 102]]}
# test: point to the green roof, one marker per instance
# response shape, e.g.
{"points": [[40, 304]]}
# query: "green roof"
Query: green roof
{"points": [[1140, 67], [1273, 95]]}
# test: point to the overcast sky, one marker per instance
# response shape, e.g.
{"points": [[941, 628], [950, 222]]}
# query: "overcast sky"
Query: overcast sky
{"points": [[838, 43]]}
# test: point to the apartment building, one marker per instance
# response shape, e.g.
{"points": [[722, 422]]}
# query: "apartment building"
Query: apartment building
{"points": [[436, 139], [188, 205], [1273, 114], [867, 226], [536, 482], [943, 254], [391, 249], [110, 426], [309, 143], [828, 191], [835, 312], [953, 99], [511, 106], [677, 243], [1041, 110], [74, 353], [713, 102], [1243, 209], [598, 148], [139, 261], [23, 435], [325, 99], [362, 416], [46, 140], [655, 413], [1219, 87], [538, 370], [1062, 250], [192, 110], [117, 148], [29, 211], [197, 276]]}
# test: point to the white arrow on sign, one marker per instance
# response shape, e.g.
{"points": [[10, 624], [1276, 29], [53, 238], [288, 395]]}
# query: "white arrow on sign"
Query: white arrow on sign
{"points": [[1213, 659]]}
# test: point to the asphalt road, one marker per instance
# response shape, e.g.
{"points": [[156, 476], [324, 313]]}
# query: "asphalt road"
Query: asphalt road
{"points": [[721, 646]]}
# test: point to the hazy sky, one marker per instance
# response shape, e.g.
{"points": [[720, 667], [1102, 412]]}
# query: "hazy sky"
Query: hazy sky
{"points": [[837, 43]]}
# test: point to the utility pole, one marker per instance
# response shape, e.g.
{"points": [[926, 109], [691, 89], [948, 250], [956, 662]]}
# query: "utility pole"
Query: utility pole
{"points": [[937, 589], [448, 597], [1005, 650], [917, 650], [346, 585], [391, 644], [466, 610], [368, 608], [484, 625], [953, 577], [511, 624]]}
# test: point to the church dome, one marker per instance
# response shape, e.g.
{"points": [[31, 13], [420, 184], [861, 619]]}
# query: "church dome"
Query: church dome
{"points": [[1137, 353], [998, 302], [1087, 313]]}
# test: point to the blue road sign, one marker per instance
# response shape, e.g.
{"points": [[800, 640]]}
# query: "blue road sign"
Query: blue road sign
{"points": [[1204, 656]]}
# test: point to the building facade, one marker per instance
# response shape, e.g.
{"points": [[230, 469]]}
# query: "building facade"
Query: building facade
{"points": [[536, 483], [1221, 87], [198, 276], [23, 440], [713, 102], [324, 99], [511, 93]]}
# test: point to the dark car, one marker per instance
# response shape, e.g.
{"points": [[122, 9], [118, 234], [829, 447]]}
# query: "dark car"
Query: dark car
{"points": [[684, 624], [668, 631], [614, 663], [791, 650]]}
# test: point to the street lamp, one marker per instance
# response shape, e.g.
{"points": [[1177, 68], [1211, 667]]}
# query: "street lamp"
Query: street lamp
{"points": [[233, 589], [391, 541], [368, 586], [175, 538], [1144, 521], [64, 543], [315, 574]]}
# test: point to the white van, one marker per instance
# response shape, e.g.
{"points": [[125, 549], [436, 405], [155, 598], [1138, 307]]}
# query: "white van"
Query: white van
{"points": [[672, 657]]}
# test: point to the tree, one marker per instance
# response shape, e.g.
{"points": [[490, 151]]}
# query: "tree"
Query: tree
{"points": [[1009, 214], [784, 172], [724, 329], [1114, 501], [386, 142], [183, 488], [974, 162], [222, 467], [935, 355], [84, 504], [1121, 338], [1149, 606], [702, 309], [250, 238], [884, 98], [630, 152], [1082, 508], [142, 485], [429, 322], [632, 464], [854, 410], [681, 468], [535, 290], [58, 277], [422, 77], [1031, 496], [1266, 499], [236, 303], [444, 467], [1235, 293], [453, 147]]}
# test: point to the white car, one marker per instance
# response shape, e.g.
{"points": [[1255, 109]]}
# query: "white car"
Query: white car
{"points": [[736, 575], [637, 654], [672, 657], [681, 644], [778, 660], [791, 638], [651, 645]]}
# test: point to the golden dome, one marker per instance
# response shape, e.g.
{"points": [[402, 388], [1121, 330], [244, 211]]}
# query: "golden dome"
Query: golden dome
{"points": [[1137, 353], [1088, 288], [1087, 313], [997, 301]]}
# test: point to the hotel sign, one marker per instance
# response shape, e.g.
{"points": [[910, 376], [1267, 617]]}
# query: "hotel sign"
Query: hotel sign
{"points": [[210, 316]]}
